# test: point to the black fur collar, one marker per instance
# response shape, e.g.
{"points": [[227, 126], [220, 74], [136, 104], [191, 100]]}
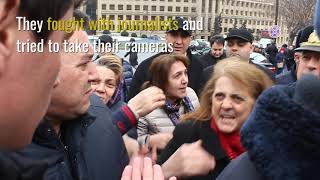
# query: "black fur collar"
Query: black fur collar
{"points": [[282, 137]]}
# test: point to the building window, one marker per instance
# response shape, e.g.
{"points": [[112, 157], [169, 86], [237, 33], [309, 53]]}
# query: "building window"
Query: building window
{"points": [[161, 8], [254, 22], [194, 1], [231, 12], [246, 13], [103, 16], [153, 8], [227, 11], [185, 9], [231, 21], [128, 17], [104, 7], [193, 9], [145, 8], [226, 21], [255, 13], [250, 13], [225, 29], [258, 22], [120, 17], [111, 7], [178, 0], [241, 13], [169, 0], [129, 7], [137, 7], [111, 17], [120, 7], [137, 17], [186, 1], [249, 22], [178, 9], [236, 12]]}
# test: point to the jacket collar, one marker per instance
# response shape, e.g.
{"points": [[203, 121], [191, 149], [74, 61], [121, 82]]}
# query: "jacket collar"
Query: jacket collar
{"points": [[210, 140], [283, 144], [46, 136]]}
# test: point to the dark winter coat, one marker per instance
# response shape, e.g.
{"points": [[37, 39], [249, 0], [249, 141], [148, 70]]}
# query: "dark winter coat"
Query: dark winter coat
{"points": [[209, 60], [104, 150], [83, 150], [16, 167], [272, 51], [127, 76], [281, 145], [287, 77], [142, 73], [188, 132], [133, 58], [47, 146]]}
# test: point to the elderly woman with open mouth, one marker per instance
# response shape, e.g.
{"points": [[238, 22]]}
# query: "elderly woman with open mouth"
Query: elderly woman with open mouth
{"points": [[225, 104]]}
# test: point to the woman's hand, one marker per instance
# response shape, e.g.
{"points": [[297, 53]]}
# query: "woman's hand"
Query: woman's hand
{"points": [[189, 160], [142, 169], [160, 140]]}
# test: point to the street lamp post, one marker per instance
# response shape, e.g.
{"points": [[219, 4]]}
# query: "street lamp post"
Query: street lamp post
{"points": [[277, 12], [276, 16]]}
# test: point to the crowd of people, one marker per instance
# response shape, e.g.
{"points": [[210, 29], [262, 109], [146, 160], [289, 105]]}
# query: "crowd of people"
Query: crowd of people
{"points": [[87, 116]]}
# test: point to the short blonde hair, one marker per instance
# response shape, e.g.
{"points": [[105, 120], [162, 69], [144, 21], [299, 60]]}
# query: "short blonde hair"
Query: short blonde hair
{"points": [[238, 70], [113, 63]]}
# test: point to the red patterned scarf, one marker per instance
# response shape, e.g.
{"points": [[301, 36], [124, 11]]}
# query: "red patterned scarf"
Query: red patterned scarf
{"points": [[230, 142]]}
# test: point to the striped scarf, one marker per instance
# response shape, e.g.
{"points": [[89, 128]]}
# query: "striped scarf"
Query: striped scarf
{"points": [[172, 109]]}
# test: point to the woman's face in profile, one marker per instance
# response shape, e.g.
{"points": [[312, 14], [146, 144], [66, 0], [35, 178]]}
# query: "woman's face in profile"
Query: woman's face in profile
{"points": [[231, 104]]}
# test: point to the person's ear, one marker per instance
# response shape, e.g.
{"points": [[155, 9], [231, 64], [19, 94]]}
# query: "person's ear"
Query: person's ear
{"points": [[8, 12], [251, 48]]}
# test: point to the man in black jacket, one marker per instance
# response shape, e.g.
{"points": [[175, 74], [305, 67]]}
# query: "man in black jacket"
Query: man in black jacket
{"points": [[272, 51], [78, 138], [26, 78], [239, 43], [291, 75], [35, 73], [180, 40], [216, 53]]}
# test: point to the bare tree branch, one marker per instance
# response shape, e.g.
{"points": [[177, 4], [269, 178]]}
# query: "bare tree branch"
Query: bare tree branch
{"points": [[296, 14]]}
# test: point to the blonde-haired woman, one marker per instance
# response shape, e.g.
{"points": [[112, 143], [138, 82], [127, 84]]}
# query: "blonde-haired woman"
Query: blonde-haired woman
{"points": [[225, 103], [109, 85]]}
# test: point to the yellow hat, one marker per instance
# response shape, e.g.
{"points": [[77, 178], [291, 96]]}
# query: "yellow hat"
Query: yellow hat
{"points": [[313, 44]]}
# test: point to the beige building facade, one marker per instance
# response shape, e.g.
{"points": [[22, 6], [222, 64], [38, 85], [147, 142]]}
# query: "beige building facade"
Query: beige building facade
{"points": [[258, 15]]}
